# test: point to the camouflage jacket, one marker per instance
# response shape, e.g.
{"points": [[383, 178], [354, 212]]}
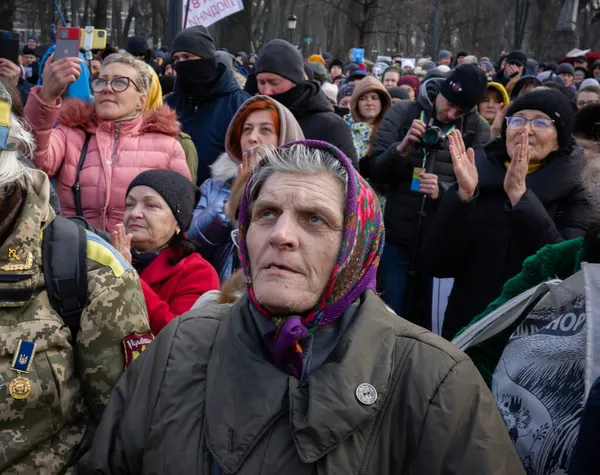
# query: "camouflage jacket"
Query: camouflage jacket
{"points": [[47, 432]]}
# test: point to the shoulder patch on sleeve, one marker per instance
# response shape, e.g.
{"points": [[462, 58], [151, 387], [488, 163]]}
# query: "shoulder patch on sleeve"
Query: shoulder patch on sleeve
{"points": [[100, 251]]}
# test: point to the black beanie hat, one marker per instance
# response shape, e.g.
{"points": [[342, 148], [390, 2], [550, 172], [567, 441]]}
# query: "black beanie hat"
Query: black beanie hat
{"points": [[28, 50], [337, 62], [137, 45], [281, 58], [552, 103], [465, 87], [587, 122], [195, 40], [517, 57], [180, 193]]}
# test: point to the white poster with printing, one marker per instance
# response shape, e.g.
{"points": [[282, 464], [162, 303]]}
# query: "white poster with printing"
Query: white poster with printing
{"points": [[207, 12]]}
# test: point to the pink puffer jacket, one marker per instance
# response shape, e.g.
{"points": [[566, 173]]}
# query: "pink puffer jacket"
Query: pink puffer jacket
{"points": [[117, 153]]}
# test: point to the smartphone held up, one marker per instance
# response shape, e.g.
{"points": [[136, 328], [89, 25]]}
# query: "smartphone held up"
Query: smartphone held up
{"points": [[67, 43]]}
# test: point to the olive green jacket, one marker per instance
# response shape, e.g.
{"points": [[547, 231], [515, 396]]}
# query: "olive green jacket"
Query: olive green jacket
{"points": [[205, 395], [49, 430]]}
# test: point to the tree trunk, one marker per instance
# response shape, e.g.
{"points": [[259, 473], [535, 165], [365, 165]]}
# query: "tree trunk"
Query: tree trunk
{"points": [[127, 25], [101, 14], [7, 15]]}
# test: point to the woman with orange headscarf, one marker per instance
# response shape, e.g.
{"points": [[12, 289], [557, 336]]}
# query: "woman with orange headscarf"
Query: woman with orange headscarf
{"points": [[259, 123]]}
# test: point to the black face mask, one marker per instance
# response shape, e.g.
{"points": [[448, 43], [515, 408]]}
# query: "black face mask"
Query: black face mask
{"points": [[197, 76], [341, 111]]}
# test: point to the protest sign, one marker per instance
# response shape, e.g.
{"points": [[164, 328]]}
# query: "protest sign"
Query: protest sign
{"points": [[207, 12]]}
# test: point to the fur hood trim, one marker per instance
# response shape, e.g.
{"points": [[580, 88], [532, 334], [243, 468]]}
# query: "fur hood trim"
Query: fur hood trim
{"points": [[224, 168], [77, 113]]}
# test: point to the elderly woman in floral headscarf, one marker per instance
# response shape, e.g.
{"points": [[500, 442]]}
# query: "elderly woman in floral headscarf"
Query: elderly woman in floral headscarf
{"points": [[309, 372]]}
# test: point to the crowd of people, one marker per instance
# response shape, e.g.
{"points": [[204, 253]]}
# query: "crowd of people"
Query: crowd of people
{"points": [[215, 263]]}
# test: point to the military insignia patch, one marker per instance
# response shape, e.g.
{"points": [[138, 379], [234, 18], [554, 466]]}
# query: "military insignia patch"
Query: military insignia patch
{"points": [[134, 344]]}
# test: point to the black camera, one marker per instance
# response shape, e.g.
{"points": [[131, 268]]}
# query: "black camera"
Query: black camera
{"points": [[433, 138]]}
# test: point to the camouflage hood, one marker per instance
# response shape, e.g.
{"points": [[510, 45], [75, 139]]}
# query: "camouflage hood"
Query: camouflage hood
{"points": [[20, 253]]}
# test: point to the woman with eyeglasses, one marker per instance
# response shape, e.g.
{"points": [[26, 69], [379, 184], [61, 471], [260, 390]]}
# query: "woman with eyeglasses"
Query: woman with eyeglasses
{"points": [[513, 197], [98, 148]]}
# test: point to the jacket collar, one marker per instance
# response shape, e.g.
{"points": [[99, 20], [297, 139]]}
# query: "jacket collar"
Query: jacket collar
{"points": [[224, 168], [161, 269], [241, 407]]}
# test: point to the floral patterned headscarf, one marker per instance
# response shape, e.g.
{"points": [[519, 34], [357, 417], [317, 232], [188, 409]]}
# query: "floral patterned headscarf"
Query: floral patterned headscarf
{"points": [[355, 270]]}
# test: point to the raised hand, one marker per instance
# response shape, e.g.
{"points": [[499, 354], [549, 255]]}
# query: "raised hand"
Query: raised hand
{"points": [[464, 166], [514, 181], [122, 242], [57, 76], [9, 72]]}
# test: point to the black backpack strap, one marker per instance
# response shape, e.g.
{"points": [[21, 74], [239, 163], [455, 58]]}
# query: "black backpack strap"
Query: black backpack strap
{"points": [[64, 256], [76, 186]]}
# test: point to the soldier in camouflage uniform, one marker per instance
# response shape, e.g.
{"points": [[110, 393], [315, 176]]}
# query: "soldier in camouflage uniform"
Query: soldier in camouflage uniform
{"points": [[47, 424]]}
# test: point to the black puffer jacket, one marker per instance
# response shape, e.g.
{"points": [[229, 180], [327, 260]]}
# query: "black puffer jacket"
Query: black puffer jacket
{"points": [[483, 242], [317, 119], [389, 168]]}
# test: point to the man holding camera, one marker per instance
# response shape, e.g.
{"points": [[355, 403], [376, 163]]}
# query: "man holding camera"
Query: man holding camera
{"points": [[411, 158]]}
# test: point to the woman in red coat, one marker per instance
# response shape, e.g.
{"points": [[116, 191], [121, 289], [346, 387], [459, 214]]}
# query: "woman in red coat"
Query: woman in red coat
{"points": [[158, 209]]}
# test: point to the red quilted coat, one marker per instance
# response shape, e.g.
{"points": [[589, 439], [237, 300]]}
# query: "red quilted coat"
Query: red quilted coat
{"points": [[171, 289], [117, 153]]}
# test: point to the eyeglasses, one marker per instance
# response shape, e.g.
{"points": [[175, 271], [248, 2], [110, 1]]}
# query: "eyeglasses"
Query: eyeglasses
{"points": [[585, 103], [536, 124], [118, 84]]}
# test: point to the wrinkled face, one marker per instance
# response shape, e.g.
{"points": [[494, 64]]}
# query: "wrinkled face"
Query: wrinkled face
{"points": [[567, 78], [345, 102], [271, 84], [391, 79], [410, 90], [336, 71], [445, 111], [259, 129], [491, 104], [586, 98], [369, 106], [96, 66], [28, 59], [184, 56], [294, 239], [541, 142], [149, 219], [111, 105]]}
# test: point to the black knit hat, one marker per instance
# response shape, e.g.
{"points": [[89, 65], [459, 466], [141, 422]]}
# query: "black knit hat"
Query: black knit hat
{"points": [[137, 45], [180, 193], [465, 87], [195, 40], [552, 103], [517, 57], [281, 58]]}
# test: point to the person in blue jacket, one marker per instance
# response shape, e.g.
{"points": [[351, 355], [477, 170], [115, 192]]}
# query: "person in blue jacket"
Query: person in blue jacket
{"points": [[80, 89], [206, 95]]}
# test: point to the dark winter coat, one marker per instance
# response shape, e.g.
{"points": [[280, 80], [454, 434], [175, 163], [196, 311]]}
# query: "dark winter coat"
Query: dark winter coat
{"points": [[204, 397], [206, 118], [483, 242], [386, 167], [585, 458], [317, 119]]}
